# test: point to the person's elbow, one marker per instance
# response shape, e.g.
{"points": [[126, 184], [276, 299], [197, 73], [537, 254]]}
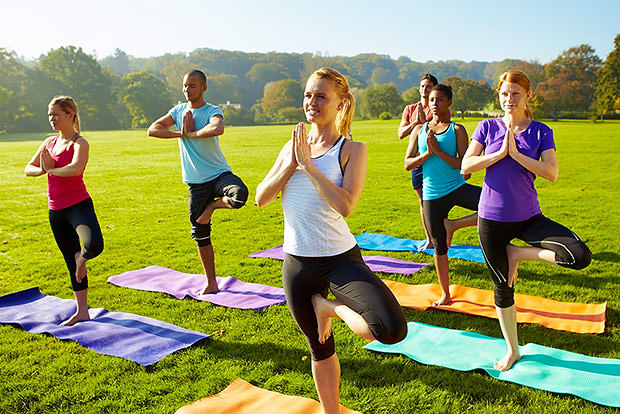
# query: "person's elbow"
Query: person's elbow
{"points": [[219, 129], [152, 130]]}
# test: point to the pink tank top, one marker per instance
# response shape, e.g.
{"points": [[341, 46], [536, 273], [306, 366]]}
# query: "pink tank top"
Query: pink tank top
{"points": [[63, 192]]}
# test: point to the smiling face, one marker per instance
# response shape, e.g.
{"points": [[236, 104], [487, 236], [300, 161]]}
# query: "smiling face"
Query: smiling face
{"points": [[321, 102], [193, 88], [513, 98], [439, 102], [59, 119], [425, 88]]}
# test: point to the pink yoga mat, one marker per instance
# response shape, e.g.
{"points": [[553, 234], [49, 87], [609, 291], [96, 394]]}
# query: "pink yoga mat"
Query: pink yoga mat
{"points": [[233, 293], [375, 263]]}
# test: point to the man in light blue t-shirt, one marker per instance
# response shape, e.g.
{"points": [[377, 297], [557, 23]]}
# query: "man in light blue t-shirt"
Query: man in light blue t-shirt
{"points": [[212, 184]]}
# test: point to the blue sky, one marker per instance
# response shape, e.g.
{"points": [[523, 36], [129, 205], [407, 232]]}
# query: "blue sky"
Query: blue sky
{"points": [[422, 30]]}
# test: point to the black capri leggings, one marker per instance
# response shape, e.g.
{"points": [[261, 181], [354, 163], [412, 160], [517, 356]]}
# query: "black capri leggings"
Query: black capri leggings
{"points": [[69, 226], [225, 185], [537, 231], [353, 284], [435, 211]]}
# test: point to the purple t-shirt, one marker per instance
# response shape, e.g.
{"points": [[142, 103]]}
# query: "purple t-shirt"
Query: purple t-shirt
{"points": [[508, 193]]}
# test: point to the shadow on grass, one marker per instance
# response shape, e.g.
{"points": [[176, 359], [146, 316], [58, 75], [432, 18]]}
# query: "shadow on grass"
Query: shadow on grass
{"points": [[607, 257]]}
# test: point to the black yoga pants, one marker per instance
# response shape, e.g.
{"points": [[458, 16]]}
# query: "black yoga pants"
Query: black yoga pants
{"points": [[70, 226], [538, 231], [352, 283]]}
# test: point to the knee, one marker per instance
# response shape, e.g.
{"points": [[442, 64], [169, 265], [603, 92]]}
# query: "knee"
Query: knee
{"points": [[319, 351], [237, 195], [201, 233], [583, 257], [393, 330], [93, 249], [440, 247], [504, 295]]}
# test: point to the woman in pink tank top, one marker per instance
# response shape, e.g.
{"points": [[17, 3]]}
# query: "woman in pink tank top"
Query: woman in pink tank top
{"points": [[71, 213]]}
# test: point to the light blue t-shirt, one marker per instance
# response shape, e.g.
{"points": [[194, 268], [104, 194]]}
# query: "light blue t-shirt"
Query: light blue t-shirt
{"points": [[201, 158], [440, 178]]}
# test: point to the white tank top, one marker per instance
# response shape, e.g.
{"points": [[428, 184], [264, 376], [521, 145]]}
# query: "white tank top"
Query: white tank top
{"points": [[311, 227]]}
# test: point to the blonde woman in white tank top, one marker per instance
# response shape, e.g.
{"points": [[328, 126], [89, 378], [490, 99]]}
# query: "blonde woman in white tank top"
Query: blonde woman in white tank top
{"points": [[321, 176]]}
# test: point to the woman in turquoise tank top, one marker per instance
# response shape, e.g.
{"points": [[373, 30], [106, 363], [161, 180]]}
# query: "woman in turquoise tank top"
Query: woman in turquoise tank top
{"points": [[442, 144]]}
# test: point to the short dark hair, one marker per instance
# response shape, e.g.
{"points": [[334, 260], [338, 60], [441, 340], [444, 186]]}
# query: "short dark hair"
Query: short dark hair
{"points": [[445, 89], [430, 78], [198, 73]]}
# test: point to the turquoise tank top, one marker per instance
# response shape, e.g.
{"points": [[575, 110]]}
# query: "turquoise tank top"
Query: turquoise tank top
{"points": [[440, 178]]}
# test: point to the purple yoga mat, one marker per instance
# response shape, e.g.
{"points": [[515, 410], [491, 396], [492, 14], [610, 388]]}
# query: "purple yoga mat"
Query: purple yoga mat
{"points": [[133, 337], [375, 263], [233, 293]]}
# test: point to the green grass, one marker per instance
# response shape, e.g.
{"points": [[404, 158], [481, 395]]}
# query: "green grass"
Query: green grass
{"points": [[141, 204]]}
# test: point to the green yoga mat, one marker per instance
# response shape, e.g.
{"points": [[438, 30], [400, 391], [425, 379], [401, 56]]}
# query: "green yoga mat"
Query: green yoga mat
{"points": [[541, 367]]}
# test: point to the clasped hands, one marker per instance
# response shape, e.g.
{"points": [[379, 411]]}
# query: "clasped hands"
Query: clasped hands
{"points": [[509, 145], [188, 124], [46, 161], [300, 153]]}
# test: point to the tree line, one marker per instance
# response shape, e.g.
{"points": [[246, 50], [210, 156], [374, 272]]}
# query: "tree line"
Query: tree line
{"points": [[121, 91]]}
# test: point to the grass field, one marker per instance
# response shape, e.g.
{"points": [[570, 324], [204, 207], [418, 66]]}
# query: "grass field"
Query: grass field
{"points": [[135, 182]]}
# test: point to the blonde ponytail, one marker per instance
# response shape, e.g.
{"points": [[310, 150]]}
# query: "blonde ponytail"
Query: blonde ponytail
{"points": [[344, 119]]}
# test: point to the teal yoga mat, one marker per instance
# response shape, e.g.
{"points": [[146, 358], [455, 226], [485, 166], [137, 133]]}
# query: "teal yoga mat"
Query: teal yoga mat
{"points": [[541, 367]]}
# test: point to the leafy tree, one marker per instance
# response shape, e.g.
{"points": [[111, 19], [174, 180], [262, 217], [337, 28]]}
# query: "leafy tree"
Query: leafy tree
{"points": [[12, 77], [411, 95], [118, 63], [146, 96], [222, 88], [570, 80], [79, 75], [607, 92], [380, 98], [238, 116], [468, 95], [280, 94], [291, 114]]}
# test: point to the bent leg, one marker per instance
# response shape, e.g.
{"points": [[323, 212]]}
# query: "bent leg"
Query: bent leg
{"points": [[466, 196], [357, 288], [231, 193], [84, 220], [567, 248]]}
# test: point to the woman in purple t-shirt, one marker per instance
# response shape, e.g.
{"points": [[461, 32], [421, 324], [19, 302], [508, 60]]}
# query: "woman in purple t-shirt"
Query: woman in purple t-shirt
{"points": [[516, 149]]}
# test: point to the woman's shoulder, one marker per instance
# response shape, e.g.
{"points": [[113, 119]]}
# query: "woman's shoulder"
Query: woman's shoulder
{"points": [[539, 126]]}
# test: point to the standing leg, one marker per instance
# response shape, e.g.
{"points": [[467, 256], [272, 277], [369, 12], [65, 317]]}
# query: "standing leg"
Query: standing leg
{"points": [[494, 238], [326, 374], [207, 258], [435, 211]]}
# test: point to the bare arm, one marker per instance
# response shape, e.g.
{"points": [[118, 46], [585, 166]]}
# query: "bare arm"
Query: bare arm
{"points": [[412, 158], [273, 183], [404, 129], [33, 168], [547, 167], [354, 156], [473, 160], [77, 164], [214, 128], [161, 128]]}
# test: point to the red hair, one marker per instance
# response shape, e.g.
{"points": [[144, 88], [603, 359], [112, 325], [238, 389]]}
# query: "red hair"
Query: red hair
{"points": [[521, 79]]}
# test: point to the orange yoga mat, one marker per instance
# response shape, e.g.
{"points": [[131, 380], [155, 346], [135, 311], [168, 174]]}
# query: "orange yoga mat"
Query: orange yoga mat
{"points": [[241, 397], [562, 316]]}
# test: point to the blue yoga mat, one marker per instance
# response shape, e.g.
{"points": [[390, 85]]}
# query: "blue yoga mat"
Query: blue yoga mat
{"points": [[133, 337], [381, 242], [541, 367]]}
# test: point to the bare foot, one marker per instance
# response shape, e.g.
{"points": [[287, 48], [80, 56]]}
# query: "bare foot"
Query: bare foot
{"points": [[513, 264], [80, 267], [210, 287], [449, 231], [507, 361], [77, 317], [205, 217], [443, 300], [427, 245], [323, 317]]}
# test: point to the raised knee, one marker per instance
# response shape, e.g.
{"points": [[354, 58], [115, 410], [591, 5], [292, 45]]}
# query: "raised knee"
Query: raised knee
{"points": [[393, 332], [238, 197], [583, 259], [93, 249]]}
